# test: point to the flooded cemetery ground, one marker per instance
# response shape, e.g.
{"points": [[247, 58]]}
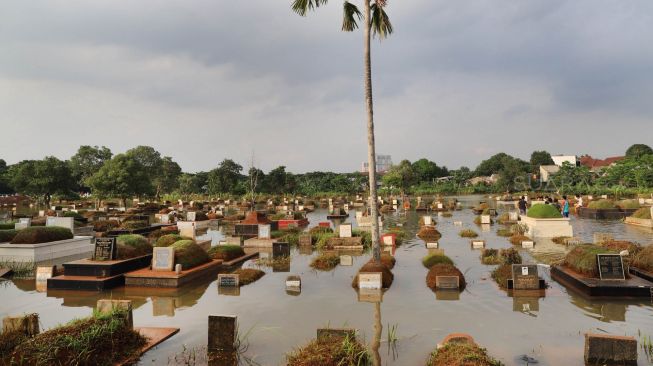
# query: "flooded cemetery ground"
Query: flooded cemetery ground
{"points": [[413, 318]]}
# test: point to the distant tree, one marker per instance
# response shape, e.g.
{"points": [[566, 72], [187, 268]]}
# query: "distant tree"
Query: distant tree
{"points": [[188, 184], [279, 181], [161, 171], [225, 178], [401, 176], [426, 170], [122, 177], [571, 179], [511, 170], [4, 184], [630, 172], [540, 158], [87, 161], [638, 150], [41, 178], [490, 166], [168, 178]]}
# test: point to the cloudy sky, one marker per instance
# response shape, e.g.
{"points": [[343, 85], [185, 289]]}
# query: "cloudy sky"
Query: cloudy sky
{"points": [[201, 80]]}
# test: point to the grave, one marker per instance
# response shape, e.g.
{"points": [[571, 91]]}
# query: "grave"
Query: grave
{"points": [[526, 304], [486, 219], [264, 231], [608, 349], [370, 295], [280, 250], [525, 277], [105, 249], [458, 223], [293, 284], [346, 260], [432, 245], [389, 239], [633, 287], [436, 251], [106, 306], [163, 259], [305, 240], [611, 267], [187, 229], [527, 244], [428, 220], [369, 281], [222, 333], [336, 333], [228, 280]]}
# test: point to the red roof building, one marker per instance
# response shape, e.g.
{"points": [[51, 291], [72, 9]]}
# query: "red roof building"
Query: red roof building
{"points": [[597, 164]]}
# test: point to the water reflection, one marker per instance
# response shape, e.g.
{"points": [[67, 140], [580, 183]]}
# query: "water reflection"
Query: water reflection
{"points": [[602, 310]]}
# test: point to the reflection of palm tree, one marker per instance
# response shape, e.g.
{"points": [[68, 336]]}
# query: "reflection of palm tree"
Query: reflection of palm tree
{"points": [[378, 329]]}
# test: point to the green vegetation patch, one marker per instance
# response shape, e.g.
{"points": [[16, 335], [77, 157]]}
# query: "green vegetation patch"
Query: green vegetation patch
{"points": [[7, 235], [325, 261], [41, 234], [643, 213], [169, 239], [189, 254], [433, 259], [628, 204], [467, 233], [132, 246], [330, 351], [582, 259], [226, 252], [601, 204], [463, 354], [248, 275], [542, 211]]}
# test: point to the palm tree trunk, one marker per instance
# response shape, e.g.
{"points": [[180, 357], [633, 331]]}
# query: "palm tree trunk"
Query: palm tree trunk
{"points": [[378, 331], [371, 150]]}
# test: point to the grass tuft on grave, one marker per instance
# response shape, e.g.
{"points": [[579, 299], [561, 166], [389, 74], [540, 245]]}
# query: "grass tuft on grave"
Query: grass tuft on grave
{"points": [[644, 259], [366, 237], [619, 245], [601, 204], [41, 234], [433, 259], [325, 261], [642, 213], [502, 274], [503, 256], [504, 218], [542, 211], [7, 235], [169, 239], [373, 267], [189, 254], [628, 204], [582, 259], [103, 339], [447, 214], [516, 239], [226, 252], [429, 233], [132, 246], [504, 232], [105, 225], [461, 354], [20, 269], [444, 270], [248, 275], [330, 351], [467, 233]]}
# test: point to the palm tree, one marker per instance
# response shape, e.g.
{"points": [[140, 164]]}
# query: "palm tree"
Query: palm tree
{"points": [[376, 21]]}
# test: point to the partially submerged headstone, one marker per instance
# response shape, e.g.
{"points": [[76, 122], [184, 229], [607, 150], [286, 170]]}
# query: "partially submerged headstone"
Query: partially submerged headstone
{"points": [[528, 244], [486, 219], [369, 281], [293, 283], [163, 259], [345, 230], [336, 333], [447, 282], [611, 267], [432, 245], [603, 349], [187, 229], [478, 244], [106, 306], [389, 239], [222, 333], [228, 280], [525, 277], [346, 260], [428, 220]]}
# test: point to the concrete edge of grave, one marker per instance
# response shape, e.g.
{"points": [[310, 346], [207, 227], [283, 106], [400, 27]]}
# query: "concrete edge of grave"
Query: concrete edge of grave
{"points": [[239, 260], [154, 336]]}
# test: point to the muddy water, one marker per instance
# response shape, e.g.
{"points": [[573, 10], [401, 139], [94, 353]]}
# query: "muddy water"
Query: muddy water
{"points": [[549, 329]]}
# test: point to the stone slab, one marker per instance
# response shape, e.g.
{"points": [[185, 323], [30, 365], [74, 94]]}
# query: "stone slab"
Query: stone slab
{"points": [[222, 333], [609, 349], [369, 280], [525, 277]]}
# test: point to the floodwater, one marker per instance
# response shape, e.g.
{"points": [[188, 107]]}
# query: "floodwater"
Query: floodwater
{"points": [[548, 329]]}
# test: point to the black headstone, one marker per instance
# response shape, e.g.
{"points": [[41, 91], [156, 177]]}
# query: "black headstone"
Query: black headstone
{"points": [[105, 249], [611, 267], [525, 277], [280, 250]]}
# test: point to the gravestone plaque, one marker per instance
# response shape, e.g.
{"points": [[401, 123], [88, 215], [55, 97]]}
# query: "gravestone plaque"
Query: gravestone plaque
{"points": [[432, 245], [359, 215], [388, 239], [440, 206], [191, 215], [447, 282], [345, 230], [293, 282], [264, 232], [222, 333], [611, 267], [105, 249], [428, 220], [41, 213], [478, 244], [527, 244], [187, 229], [369, 280], [25, 220], [20, 226], [305, 240], [525, 277], [485, 219], [66, 222], [280, 250], [163, 259], [513, 216], [228, 280], [346, 260]]}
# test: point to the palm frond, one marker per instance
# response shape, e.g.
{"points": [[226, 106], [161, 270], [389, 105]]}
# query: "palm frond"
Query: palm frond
{"points": [[301, 7], [380, 22], [349, 14]]}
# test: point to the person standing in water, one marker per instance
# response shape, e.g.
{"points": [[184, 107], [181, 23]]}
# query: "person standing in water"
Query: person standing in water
{"points": [[522, 205], [565, 206]]}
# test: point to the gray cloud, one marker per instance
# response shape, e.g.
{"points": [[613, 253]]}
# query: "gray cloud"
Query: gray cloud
{"points": [[202, 80]]}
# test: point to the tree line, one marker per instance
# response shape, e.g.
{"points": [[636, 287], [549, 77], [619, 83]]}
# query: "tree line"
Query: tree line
{"points": [[144, 172]]}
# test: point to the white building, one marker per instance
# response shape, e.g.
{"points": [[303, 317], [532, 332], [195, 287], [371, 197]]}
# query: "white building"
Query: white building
{"points": [[383, 163], [560, 159], [546, 171]]}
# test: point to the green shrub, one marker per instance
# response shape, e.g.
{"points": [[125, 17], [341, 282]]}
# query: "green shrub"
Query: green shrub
{"points": [[433, 259], [628, 204], [329, 351], [490, 256], [132, 245], [189, 254], [41, 234], [643, 213], [321, 239], [74, 215], [8, 226], [582, 259], [400, 234], [169, 239], [501, 275], [366, 237], [643, 259], [602, 204], [542, 211], [226, 252], [7, 235], [510, 256]]}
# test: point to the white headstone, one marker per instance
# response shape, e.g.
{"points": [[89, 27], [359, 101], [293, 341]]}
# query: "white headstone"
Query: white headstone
{"points": [[432, 245], [478, 244], [527, 244], [264, 231], [428, 220], [191, 215], [513, 216], [369, 281], [186, 228], [346, 260], [440, 206], [485, 219], [458, 223], [345, 230], [163, 259], [41, 213], [67, 222]]}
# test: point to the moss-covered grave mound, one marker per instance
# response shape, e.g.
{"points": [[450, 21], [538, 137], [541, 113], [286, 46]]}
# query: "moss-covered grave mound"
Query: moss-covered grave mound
{"points": [[373, 267], [132, 246], [461, 354], [582, 259], [444, 270], [601, 204], [169, 239], [628, 204], [41, 234], [644, 259], [226, 252], [428, 233], [330, 351], [189, 254], [543, 211], [642, 213], [433, 259], [248, 275], [467, 233], [325, 261]]}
